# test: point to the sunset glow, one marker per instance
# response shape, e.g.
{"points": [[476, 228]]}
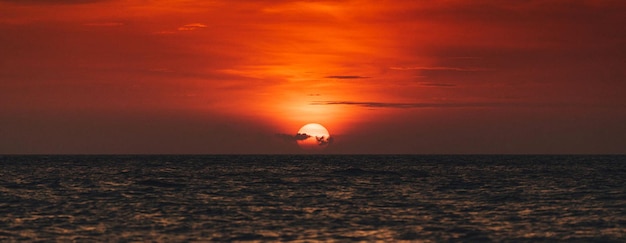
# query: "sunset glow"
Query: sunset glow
{"points": [[110, 76]]}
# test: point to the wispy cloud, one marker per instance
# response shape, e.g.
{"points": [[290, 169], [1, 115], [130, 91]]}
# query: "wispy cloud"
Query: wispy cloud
{"points": [[406, 105], [437, 84], [345, 77], [165, 32], [441, 68], [189, 27]]}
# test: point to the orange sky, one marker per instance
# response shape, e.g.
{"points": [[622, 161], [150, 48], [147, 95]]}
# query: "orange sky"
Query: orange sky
{"points": [[114, 76]]}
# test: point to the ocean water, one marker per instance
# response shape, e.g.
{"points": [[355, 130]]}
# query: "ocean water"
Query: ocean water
{"points": [[313, 198]]}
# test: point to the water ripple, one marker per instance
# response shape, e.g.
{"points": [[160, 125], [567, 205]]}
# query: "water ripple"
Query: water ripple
{"points": [[310, 198]]}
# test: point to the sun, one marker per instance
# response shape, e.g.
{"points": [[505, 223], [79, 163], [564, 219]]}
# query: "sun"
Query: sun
{"points": [[313, 136]]}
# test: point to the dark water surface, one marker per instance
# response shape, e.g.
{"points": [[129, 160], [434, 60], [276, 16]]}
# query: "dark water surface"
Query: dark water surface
{"points": [[309, 198]]}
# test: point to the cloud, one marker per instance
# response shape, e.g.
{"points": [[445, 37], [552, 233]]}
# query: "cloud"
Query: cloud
{"points": [[292, 138], [165, 32], [438, 84], [406, 105], [345, 77], [301, 136], [321, 141], [440, 68], [189, 27]]}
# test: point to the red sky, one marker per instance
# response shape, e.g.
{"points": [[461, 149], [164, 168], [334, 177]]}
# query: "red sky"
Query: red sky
{"points": [[114, 76]]}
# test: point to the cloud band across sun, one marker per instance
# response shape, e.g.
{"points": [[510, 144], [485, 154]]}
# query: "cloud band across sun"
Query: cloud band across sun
{"points": [[417, 104]]}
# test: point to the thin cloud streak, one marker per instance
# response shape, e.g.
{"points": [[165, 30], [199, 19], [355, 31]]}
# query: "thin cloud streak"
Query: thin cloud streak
{"points": [[452, 104], [189, 27], [437, 68], [345, 77], [406, 105], [433, 105], [438, 85]]}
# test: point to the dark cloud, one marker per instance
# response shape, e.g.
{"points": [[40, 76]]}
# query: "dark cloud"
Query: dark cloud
{"points": [[321, 141], [456, 69], [292, 138], [345, 77], [406, 105], [301, 136], [503, 104], [438, 84]]}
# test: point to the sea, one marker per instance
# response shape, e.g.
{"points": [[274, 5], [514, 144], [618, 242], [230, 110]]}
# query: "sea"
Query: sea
{"points": [[311, 198]]}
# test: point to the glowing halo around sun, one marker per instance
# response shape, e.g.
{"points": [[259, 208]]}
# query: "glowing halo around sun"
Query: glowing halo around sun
{"points": [[313, 136]]}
